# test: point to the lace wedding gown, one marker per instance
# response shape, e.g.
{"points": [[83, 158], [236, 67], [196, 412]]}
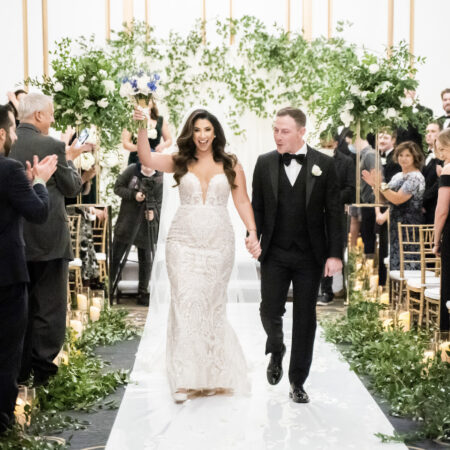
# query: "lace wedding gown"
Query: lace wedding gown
{"points": [[202, 349]]}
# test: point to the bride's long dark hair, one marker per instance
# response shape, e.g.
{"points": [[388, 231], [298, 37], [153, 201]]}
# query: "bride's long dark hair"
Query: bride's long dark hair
{"points": [[187, 149]]}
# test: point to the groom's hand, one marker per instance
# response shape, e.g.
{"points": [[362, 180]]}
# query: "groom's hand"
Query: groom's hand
{"points": [[332, 267], [253, 245]]}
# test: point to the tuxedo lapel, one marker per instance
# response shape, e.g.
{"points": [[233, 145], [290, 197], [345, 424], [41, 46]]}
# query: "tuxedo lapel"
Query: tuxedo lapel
{"points": [[274, 170], [310, 178]]}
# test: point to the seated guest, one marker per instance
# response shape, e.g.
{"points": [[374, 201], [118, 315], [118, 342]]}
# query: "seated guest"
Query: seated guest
{"points": [[431, 171], [48, 245], [22, 195], [442, 225], [404, 193], [345, 170]]}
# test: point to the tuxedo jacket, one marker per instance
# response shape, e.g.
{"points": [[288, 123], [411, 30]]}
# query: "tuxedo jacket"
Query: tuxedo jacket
{"points": [[323, 207], [390, 168], [431, 189], [51, 239], [17, 200], [442, 120], [345, 170]]}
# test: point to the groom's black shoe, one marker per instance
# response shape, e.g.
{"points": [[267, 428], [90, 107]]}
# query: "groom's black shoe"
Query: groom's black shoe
{"points": [[298, 394], [275, 368]]}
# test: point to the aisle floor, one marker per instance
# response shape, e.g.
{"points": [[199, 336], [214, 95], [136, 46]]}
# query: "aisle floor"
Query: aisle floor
{"points": [[342, 414]]}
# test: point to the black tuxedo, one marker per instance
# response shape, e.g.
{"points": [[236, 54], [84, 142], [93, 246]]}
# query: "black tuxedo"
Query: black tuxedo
{"points": [[442, 120], [391, 167], [431, 189], [299, 227], [17, 199]]}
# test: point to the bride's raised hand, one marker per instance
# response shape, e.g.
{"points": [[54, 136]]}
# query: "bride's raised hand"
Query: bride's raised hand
{"points": [[138, 114]]}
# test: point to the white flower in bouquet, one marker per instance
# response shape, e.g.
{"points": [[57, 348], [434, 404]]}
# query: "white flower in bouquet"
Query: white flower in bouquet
{"points": [[152, 133], [103, 73], [67, 111], [126, 90], [103, 103], [85, 161], [109, 86], [81, 78], [346, 118], [390, 113], [142, 84], [364, 94], [58, 87], [355, 90], [374, 68], [94, 78], [110, 159], [87, 103], [372, 109], [406, 102]]}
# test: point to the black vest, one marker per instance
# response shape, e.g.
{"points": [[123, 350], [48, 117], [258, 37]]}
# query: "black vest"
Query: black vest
{"points": [[290, 223]]}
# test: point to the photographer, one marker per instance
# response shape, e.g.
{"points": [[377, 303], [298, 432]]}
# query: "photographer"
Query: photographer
{"points": [[137, 224]]}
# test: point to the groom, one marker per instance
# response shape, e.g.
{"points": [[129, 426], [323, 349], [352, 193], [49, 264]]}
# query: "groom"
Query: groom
{"points": [[297, 212]]}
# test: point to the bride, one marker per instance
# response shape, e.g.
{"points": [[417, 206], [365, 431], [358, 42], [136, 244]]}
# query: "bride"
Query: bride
{"points": [[203, 353]]}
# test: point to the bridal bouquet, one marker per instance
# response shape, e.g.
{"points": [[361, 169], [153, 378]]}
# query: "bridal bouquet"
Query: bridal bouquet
{"points": [[140, 89]]}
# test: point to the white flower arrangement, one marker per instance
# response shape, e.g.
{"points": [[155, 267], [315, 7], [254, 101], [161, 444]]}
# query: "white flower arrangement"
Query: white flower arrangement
{"points": [[85, 161], [152, 133]]}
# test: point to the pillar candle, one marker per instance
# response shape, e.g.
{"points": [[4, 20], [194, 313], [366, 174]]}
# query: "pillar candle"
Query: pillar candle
{"points": [[94, 313], [97, 302], [82, 302], [404, 320], [77, 326]]}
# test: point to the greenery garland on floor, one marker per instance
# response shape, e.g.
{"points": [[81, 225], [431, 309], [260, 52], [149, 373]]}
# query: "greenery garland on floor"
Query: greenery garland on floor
{"points": [[415, 387], [82, 384]]}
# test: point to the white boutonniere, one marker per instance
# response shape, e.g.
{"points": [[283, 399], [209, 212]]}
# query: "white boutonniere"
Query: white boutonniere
{"points": [[152, 133], [316, 170]]}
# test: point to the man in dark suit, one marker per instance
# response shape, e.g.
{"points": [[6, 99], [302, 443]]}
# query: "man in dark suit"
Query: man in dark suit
{"points": [[22, 194], [48, 245], [345, 170], [430, 171], [445, 119], [298, 219]]}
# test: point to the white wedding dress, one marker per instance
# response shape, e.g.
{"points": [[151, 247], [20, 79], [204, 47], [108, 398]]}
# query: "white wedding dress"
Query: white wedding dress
{"points": [[203, 351]]}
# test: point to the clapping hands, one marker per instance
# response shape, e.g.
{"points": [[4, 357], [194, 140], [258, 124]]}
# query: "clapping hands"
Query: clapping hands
{"points": [[43, 170], [253, 245]]}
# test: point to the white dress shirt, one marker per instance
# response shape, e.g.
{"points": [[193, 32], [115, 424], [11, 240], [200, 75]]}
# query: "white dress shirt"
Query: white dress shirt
{"points": [[446, 123], [430, 156], [384, 156], [293, 169]]}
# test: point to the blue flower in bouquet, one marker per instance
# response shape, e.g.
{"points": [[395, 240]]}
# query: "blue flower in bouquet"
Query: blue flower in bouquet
{"points": [[140, 85]]}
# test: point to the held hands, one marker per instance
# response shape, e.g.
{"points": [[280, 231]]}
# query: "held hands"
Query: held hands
{"points": [[43, 170], [437, 249], [140, 197], [253, 245], [332, 267]]}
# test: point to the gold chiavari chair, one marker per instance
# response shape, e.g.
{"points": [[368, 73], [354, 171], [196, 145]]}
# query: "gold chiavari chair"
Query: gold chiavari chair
{"points": [[75, 284], [429, 263], [409, 246]]}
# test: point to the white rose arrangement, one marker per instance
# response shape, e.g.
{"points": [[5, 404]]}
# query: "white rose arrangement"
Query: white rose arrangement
{"points": [[85, 161]]}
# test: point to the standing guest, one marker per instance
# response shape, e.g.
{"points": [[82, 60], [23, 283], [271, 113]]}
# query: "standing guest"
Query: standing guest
{"points": [[137, 224], [298, 219], [159, 128], [48, 246], [14, 99], [404, 194], [442, 225], [431, 170], [345, 170], [445, 119], [386, 142], [22, 194]]}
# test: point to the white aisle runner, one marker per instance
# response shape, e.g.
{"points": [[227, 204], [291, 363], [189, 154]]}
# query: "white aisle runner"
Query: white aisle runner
{"points": [[341, 415]]}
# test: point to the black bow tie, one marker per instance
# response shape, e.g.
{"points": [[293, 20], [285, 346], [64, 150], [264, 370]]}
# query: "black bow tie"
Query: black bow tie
{"points": [[288, 157]]}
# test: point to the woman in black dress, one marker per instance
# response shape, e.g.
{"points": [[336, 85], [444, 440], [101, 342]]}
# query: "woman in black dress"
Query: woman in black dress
{"points": [[442, 225], [158, 129]]}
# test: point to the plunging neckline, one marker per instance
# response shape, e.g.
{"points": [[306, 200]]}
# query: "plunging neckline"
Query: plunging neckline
{"points": [[205, 193]]}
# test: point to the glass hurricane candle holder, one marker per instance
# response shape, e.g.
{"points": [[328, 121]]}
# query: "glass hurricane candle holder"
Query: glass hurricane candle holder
{"points": [[83, 299]]}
